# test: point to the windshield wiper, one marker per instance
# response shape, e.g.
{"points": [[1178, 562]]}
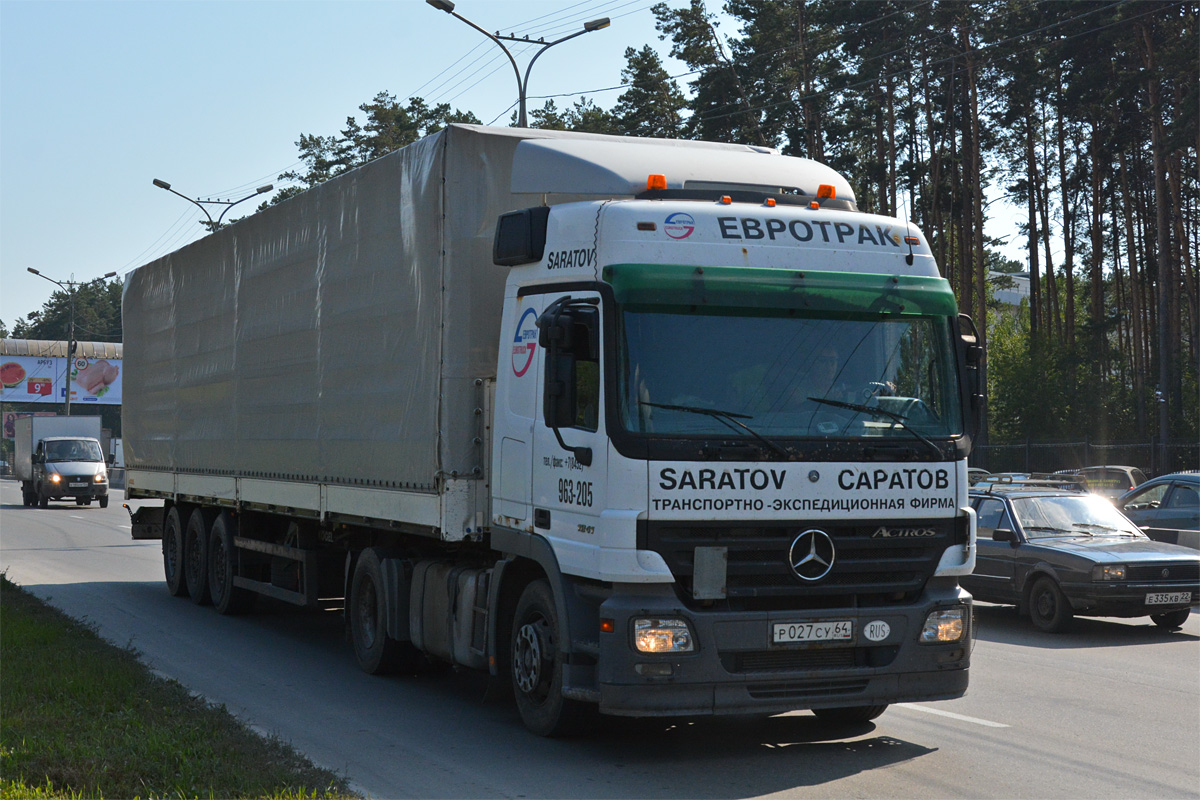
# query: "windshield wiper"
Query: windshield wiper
{"points": [[1055, 530], [1105, 528], [730, 419], [876, 410]]}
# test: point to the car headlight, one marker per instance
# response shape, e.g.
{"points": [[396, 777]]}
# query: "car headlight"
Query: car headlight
{"points": [[1106, 572], [55, 477], [101, 477], [662, 636], [944, 625]]}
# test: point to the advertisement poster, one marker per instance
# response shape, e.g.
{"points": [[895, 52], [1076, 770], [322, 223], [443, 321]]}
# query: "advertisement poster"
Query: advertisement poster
{"points": [[36, 379], [10, 420]]}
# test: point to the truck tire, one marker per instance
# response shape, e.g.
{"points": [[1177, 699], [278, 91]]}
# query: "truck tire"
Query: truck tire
{"points": [[222, 561], [42, 500], [103, 501], [850, 714], [537, 667], [376, 652], [195, 557], [172, 549]]}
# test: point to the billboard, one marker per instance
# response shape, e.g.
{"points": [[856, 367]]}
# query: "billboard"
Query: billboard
{"points": [[43, 379]]}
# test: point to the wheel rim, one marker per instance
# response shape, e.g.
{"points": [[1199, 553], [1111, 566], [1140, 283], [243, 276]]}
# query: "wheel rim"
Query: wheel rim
{"points": [[220, 565], [1045, 604], [171, 554], [367, 617], [530, 655], [193, 552]]}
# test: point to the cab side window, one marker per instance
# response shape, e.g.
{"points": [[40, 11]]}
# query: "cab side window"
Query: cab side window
{"points": [[587, 394], [586, 350]]}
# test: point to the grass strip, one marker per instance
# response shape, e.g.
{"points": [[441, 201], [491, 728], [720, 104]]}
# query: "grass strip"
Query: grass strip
{"points": [[80, 718]]}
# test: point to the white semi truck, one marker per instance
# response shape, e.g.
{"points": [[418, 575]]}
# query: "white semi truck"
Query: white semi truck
{"points": [[640, 426]]}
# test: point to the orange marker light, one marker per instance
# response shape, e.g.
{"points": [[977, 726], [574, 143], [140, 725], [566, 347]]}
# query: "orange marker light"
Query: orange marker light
{"points": [[814, 204], [726, 199], [770, 202], [607, 626], [647, 226], [656, 182], [911, 240], [826, 192]]}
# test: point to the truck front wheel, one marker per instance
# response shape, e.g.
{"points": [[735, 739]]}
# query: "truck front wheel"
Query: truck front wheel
{"points": [[537, 667], [43, 500]]}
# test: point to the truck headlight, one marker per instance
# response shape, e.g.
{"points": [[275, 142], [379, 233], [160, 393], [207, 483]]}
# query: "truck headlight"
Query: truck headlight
{"points": [[944, 625], [662, 636], [101, 477], [55, 478], [1107, 572]]}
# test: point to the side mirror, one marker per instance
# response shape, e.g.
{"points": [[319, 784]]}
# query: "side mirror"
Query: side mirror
{"points": [[568, 330], [1004, 535], [971, 364], [559, 394]]}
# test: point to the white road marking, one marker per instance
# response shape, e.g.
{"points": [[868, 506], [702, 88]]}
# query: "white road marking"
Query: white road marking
{"points": [[952, 715]]}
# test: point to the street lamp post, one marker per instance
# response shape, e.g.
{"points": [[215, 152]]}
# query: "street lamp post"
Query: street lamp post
{"points": [[522, 84], [212, 224], [69, 288]]}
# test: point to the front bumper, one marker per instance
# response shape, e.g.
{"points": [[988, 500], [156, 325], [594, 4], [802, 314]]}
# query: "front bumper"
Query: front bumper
{"points": [[72, 489], [1120, 599], [736, 670]]}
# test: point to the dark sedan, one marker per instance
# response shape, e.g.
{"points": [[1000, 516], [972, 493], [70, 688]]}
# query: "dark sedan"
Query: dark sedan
{"points": [[1056, 553], [1167, 508]]}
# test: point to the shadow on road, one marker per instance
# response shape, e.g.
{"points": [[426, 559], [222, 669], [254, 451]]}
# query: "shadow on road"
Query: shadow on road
{"points": [[446, 710], [1002, 624]]}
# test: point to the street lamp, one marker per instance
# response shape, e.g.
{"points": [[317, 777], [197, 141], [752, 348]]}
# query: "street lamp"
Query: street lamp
{"points": [[522, 84], [211, 224], [69, 288]]}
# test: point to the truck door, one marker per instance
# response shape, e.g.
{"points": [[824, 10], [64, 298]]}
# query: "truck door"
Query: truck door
{"points": [[570, 459], [517, 386]]}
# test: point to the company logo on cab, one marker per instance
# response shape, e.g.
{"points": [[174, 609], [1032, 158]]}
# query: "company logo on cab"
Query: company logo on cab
{"points": [[679, 225]]}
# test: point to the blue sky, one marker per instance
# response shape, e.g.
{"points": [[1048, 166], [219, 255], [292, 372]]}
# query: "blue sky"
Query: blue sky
{"points": [[99, 98]]}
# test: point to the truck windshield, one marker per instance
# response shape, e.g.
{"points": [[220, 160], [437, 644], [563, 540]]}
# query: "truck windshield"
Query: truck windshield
{"points": [[74, 450], [784, 373]]}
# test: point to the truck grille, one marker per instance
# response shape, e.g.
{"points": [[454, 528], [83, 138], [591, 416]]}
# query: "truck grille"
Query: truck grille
{"points": [[867, 569], [813, 659]]}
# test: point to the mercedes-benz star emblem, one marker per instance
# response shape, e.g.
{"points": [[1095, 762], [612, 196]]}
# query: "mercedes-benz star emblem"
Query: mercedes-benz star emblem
{"points": [[811, 555]]}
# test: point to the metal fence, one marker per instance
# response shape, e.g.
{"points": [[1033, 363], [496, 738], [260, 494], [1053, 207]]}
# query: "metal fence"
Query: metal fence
{"points": [[1052, 456]]}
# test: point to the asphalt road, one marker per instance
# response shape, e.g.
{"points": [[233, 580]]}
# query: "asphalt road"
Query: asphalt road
{"points": [[1110, 710]]}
